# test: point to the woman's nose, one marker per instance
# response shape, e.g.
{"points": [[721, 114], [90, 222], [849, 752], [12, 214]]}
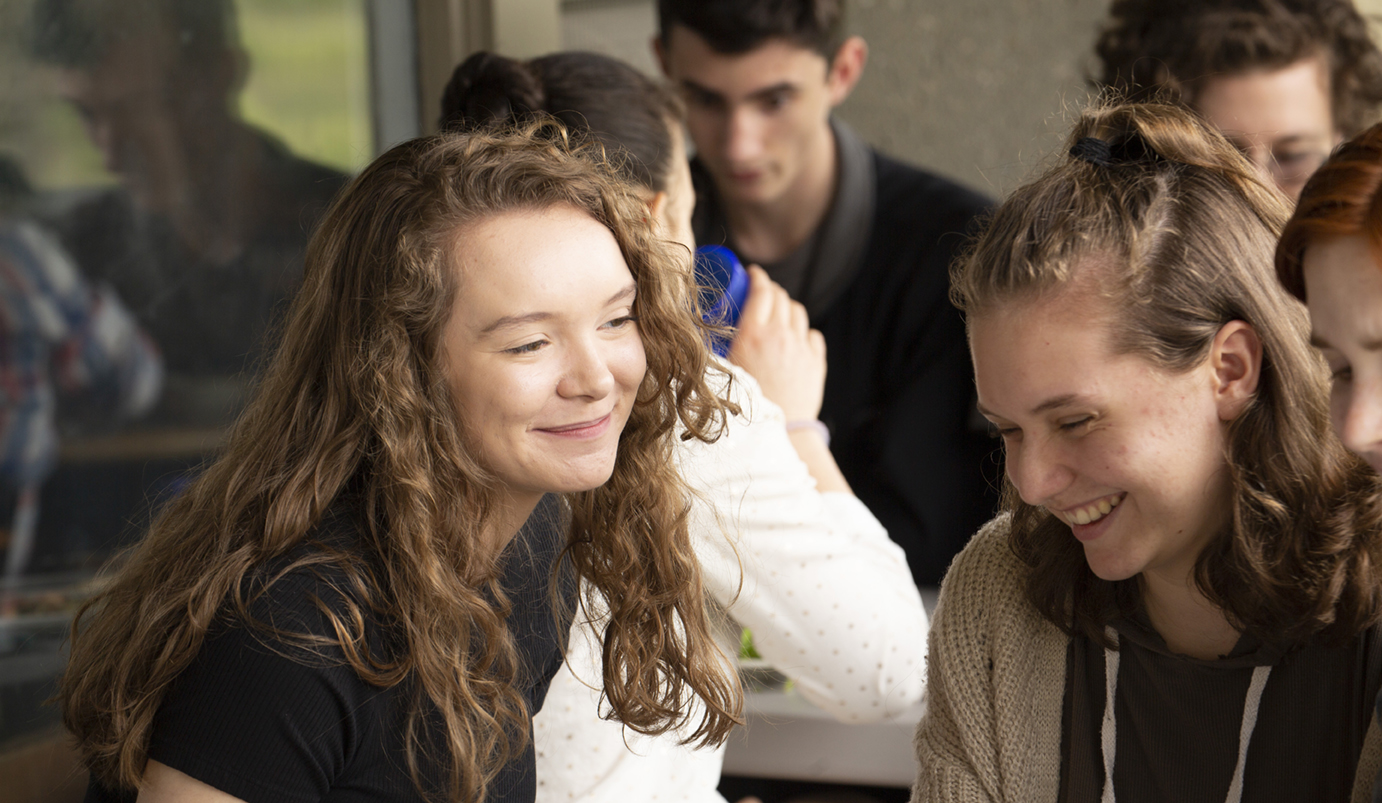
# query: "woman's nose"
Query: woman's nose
{"points": [[1037, 471], [1359, 423], [587, 372]]}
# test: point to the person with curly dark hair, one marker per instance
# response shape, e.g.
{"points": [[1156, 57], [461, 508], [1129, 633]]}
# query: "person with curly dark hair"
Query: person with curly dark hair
{"points": [[1181, 599], [1284, 80], [346, 605]]}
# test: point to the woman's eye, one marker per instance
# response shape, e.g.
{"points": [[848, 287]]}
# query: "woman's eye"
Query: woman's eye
{"points": [[1341, 374], [621, 322], [1072, 426], [1005, 433], [526, 348]]}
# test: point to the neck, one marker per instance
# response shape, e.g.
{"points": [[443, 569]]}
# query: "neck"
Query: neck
{"points": [[509, 517], [768, 231], [1188, 622]]}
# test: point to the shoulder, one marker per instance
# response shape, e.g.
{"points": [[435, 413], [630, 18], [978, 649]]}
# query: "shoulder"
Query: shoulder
{"points": [[330, 577], [983, 601], [907, 192], [986, 576]]}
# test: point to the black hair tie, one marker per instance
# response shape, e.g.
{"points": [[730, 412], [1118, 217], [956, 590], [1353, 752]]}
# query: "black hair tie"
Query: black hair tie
{"points": [[1093, 150]]}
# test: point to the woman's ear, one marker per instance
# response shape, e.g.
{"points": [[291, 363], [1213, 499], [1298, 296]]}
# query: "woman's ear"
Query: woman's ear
{"points": [[657, 210], [1236, 359]]}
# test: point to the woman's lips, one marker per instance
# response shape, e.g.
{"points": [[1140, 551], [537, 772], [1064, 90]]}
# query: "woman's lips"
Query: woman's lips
{"points": [[581, 430], [1089, 521]]}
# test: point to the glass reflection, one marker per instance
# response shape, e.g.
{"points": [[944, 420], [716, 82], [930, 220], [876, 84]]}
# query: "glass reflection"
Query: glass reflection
{"points": [[150, 236]]}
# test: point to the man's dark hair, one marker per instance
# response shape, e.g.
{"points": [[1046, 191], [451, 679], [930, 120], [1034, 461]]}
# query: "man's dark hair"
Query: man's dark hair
{"points": [[738, 26], [80, 33], [1164, 48]]}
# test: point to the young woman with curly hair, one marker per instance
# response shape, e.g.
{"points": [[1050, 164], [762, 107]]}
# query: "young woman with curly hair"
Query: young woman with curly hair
{"points": [[1181, 599], [342, 607], [1284, 80], [786, 548]]}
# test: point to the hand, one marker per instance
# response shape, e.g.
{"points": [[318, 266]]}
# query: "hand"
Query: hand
{"points": [[777, 346]]}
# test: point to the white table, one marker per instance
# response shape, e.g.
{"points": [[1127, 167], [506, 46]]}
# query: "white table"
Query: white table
{"points": [[787, 737]]}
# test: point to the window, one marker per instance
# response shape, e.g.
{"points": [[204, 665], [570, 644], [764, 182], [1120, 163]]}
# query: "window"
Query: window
{"points": [[162, 163]]}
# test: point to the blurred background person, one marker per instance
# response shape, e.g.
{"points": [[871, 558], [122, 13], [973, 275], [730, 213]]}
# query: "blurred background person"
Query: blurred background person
{"points": [[62, 342], [861, 240], [204, 237], [1284, 80], [788, 550]]}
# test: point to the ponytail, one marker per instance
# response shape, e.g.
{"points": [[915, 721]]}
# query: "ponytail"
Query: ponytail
{"points": [[593, 95], [488, 89], [1177, 232], [1159, 136]]}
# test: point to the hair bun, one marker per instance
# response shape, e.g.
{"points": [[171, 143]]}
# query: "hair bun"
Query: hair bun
{"points": [[488, 89]]}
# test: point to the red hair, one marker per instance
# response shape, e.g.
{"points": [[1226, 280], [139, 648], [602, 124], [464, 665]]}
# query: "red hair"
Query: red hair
{"points": [[1343, 198]]}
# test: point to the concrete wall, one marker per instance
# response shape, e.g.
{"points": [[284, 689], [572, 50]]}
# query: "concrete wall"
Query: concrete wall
{"points": [[979, 90], [974, 89]]}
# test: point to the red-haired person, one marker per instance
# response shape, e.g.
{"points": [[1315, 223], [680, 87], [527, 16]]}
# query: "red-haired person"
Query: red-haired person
{"points": [[1330, 256]]}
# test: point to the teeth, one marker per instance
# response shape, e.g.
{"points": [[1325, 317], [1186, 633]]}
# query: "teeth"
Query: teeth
{"points": [[1094, 512]]}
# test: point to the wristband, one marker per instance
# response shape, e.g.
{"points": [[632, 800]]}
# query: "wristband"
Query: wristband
{"points": [[814, 424]]}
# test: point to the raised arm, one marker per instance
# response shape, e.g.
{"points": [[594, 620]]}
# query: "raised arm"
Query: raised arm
{"points": [[829, 598]]}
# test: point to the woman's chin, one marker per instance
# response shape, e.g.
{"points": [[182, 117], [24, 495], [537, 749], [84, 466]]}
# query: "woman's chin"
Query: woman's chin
{"points": [[1109, 567]]}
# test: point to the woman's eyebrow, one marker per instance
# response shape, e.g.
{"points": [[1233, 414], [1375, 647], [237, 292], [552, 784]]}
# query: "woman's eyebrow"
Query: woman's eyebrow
{"points": [[509, 321]]}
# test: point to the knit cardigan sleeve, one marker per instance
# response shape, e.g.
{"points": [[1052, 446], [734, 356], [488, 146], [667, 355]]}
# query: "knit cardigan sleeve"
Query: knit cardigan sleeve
{"points": [[995, 685]]}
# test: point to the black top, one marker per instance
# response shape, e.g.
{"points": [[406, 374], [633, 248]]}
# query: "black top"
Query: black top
{"points": [[260, 726], [1178, 719], [899, 392]]}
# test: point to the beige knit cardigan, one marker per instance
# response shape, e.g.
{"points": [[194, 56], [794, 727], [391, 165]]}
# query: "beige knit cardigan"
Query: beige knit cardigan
{"points": [[995, 687]]}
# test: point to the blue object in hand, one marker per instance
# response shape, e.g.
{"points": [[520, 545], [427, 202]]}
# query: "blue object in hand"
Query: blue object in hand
{"points": [[724, 286]]}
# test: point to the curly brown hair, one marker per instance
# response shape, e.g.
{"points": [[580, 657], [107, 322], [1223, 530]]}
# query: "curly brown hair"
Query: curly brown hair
{"points": [[1163, 48], [1192, 229], [356, 397]]}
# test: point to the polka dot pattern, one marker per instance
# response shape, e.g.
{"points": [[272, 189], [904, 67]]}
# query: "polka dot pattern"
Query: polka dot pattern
{"points": [[828, 596]]}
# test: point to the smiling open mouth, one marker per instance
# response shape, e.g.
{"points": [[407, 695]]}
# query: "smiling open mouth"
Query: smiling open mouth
{"points": [[1092, 512]]}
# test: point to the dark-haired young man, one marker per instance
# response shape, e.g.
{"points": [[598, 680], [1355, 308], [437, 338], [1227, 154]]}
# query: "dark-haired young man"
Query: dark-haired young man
{"points": [[1284, 80], [863, 241]]}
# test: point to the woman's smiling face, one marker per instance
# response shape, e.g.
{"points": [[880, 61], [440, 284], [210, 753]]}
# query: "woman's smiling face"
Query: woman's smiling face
{"points": [[1127, 454], [542, 350]]}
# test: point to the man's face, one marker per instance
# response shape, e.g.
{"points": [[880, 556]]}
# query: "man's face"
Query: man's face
{"points": [[757, 118], [1280, 119], [143, 112]]}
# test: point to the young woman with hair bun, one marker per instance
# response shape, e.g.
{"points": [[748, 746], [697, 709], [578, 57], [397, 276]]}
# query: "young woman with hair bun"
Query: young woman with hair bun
{"points": [[786, 548], [346, 605], [1181, 599]]}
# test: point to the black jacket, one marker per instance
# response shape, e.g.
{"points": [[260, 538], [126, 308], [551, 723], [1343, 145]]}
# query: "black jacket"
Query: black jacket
{"points": [[899, 394]]}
